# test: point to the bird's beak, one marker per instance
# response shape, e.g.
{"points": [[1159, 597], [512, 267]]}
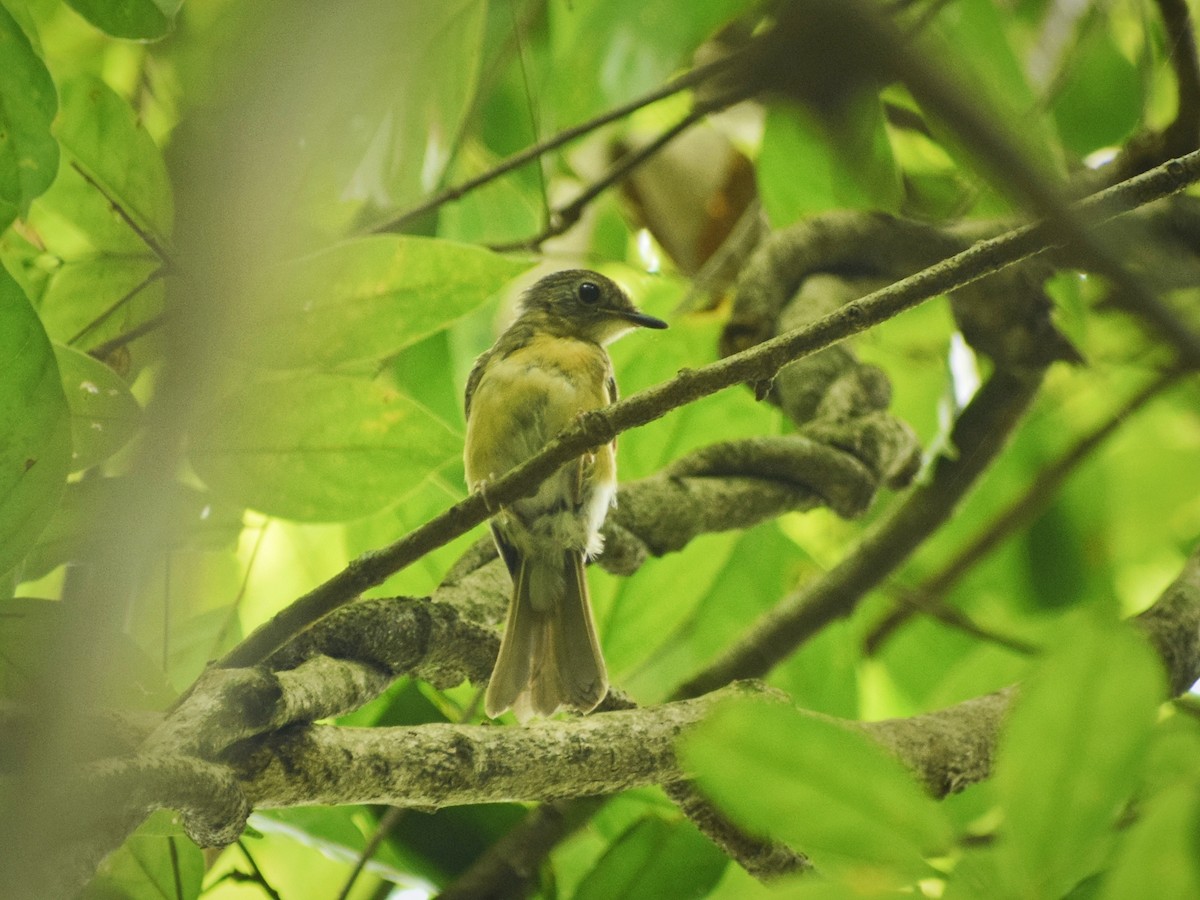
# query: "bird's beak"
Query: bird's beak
{"points": [[637, 317]]}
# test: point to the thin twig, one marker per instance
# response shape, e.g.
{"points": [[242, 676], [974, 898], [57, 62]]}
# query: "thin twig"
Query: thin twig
{"points": [[103, 351], [144, 236], [387, 822], [259, 878], [562, 220], [683, 82], [755, 364], [979, 434], [929, 596], [154, 276]]}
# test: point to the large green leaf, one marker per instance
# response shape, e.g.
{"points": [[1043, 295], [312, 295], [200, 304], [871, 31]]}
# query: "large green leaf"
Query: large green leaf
{"points": [[318, 447], [35, 440], [1163, 844], [369, 298], [824, 789], [28, 151], [1071, 754], [104, 414], [135, 19], [655, 858]]}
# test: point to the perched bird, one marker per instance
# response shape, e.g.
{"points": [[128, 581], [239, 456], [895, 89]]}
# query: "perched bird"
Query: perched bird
{"points": [[540, 375]]}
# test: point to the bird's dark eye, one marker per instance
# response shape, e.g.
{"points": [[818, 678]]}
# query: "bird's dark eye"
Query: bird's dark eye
{"points": [[588, 292]]}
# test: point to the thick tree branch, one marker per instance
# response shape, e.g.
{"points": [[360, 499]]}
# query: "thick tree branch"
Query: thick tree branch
{"points": [[756, 364], [452, 765]]}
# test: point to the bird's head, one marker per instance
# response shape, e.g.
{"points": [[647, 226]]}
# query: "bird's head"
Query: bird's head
{"points": [[582, 304]]}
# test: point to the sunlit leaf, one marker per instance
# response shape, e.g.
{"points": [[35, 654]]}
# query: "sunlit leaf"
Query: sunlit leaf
{"points": [[102, 134], [822, 788], [1071, 754], [136, 19], [370, 298], [28, 151], [805, 169], [104, 414], [35, 441], [317, 447], [630, 46]]}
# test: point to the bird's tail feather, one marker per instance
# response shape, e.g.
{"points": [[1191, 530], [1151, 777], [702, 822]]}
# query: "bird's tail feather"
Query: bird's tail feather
{"points": [[549, 656]]}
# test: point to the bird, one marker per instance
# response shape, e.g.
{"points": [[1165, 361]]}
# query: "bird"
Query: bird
{"points": [[544, 371]]}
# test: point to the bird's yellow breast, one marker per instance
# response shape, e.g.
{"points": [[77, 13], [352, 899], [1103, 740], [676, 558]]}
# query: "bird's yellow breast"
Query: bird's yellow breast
{"points": [[526, 397]]}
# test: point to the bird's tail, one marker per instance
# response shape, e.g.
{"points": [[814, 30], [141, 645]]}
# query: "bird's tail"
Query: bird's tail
{"points": [[549, 656]]}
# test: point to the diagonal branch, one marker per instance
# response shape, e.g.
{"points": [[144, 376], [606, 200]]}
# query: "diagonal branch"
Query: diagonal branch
{"points": [[756, 364]]}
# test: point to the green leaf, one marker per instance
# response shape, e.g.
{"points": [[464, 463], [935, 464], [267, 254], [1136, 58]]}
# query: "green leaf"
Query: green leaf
{"points": [[1160, 849], [317, 447], [370, 298], [157, 861], [35, 441], [826, 790], [1101, 103], [1071, 753], [28, 151], [655, 858], [104, 414], [145, 20], [101, 131], [804, 168]]}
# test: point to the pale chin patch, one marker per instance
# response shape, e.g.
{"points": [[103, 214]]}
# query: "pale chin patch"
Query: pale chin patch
{"points": [[614, 330]]}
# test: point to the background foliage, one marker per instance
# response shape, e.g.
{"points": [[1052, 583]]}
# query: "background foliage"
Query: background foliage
{"points": [[195, 202]]}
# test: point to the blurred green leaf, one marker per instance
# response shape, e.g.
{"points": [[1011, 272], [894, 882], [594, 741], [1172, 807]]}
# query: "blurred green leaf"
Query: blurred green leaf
{"points": [[28, 102], [1165, 841], [145, 20], [827, 791], [196, 521], [805, 169], [1101, 103], [101, 132], [157, 862], [316, 447], [380, 141], [35, 441], [104, 414], [31, 633], [976, 46], [1071, 754], [655, 858], [370, 298]]}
